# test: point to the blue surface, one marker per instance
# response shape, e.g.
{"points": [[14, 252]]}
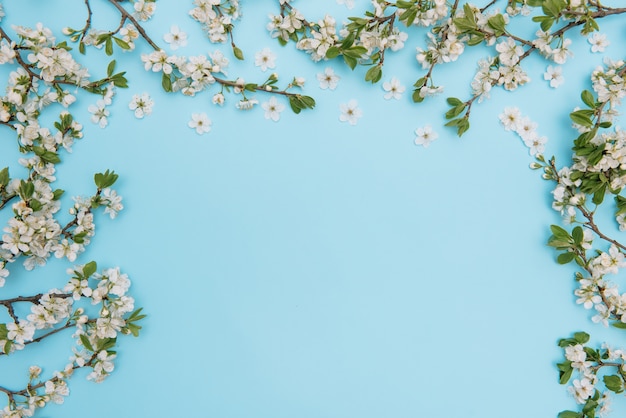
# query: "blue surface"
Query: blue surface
{"points": [[309, 268]]}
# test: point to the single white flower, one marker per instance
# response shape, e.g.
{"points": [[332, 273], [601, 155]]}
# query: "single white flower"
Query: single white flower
{"points": [[598, 42], [350, 112], [393, 88], [175, 37], [510, 118], [200, 122], [535, 143], [328, 79], [425, 135], [265, 59], [272, 109], [141, 105], [99, 113], [554, 75], [525, 128]]}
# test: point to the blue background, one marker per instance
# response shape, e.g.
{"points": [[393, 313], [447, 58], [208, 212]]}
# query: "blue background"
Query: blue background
{"points": [[315, 269]]}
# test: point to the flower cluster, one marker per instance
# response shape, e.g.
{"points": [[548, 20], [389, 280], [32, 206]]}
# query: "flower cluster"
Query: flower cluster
{"points": [[216, 17], [584, 364], [598, 169], [95, 332], [42, 77], [364, 40]]}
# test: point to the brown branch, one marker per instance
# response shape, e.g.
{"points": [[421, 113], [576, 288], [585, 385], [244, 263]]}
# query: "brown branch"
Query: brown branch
{"points": [[136, 24]]}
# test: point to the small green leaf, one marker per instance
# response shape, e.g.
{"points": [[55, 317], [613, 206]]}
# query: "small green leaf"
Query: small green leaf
{"points": [[581, 337], [476, 39], [166, 82], [569, 414], [86, 343], [565, 258], [121, 43], [332, 52], [374, 74], [295, 104], [108, 46], [614, 383], [463, 126], [577, 234], [111, 68], [89, 269], [26, 189], [588, 98], [106, 179], [565, 376], [581, 117], [497, 23], [4, 177], [351, 61]]}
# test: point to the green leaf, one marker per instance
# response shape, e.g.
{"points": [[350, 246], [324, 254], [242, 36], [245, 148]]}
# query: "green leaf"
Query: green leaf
{"points": [[581, 337], [463, 126], [121, 43], [497, 23], [464, 24], [453, 101], [295, 104], [26, 189], [350, 61], [332, 52], [86, 343], [374, 74], [89, 269], [308, 101], [565, 258], [588, 98], [598, 196], [582, 117], [620, 202], [455, 111], [119, 80], [569, 414], [166, 82], [618, 325], [348, 41], [111, 68], [108, 46], [614, 383], [476, 39], [106, 179], [4, 177], [560, 233], [565, 366], [35, 205], [577, 234], [564, 376], [355, 52], [56, 195]]}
